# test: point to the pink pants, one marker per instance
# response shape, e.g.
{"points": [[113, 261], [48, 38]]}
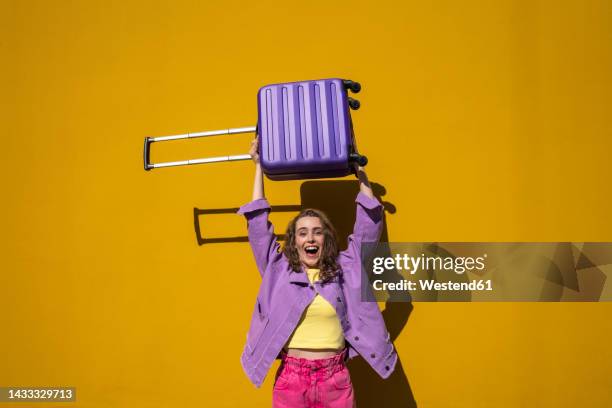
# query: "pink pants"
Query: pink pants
{"points": [[321, 383]]}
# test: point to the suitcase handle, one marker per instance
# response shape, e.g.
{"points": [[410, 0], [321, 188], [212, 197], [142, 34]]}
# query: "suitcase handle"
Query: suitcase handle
{"points": [[147, 166], [148, 140]]}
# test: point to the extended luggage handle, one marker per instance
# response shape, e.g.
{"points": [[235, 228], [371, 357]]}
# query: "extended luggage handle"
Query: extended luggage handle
{"points": [[148, 140], [354, 156]]}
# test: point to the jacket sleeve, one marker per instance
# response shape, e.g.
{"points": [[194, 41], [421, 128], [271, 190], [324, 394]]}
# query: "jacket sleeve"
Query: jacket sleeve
{"points": [[369, 220], [368, 227], [261, 233]]}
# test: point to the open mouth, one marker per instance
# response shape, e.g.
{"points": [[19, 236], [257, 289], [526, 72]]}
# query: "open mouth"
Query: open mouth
{"points": [[311, 251]]}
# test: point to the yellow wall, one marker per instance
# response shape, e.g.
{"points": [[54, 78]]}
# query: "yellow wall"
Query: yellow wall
{"points": [[483, 120]]}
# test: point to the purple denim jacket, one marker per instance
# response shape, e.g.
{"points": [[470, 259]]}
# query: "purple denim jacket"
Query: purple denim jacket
{"points": [[284, 295]]}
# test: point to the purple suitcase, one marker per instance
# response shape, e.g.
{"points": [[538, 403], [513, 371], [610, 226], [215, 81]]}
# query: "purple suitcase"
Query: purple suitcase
{"points": [[304, 130]]}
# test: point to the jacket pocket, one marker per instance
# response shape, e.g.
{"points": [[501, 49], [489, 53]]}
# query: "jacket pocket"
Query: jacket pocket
{"points": [[258, 324]]}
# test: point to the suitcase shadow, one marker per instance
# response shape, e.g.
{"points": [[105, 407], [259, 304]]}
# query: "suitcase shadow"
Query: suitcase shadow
{"points": [[336, 199], [197, 213]]}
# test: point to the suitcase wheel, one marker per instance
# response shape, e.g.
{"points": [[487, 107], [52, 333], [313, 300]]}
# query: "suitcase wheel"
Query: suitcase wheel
{"points": [[358, 158], [352, 85], [354, 103]]}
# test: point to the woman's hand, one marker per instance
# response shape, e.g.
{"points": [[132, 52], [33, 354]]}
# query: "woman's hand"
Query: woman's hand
{"points": [[364, 183], [254, 150]]}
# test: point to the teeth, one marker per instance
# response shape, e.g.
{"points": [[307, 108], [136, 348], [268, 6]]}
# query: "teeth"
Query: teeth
{"points": [[311, 249]]}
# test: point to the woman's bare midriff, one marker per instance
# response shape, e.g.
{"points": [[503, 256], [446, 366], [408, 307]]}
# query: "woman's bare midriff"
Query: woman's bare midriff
{"points": [[312, 354]]}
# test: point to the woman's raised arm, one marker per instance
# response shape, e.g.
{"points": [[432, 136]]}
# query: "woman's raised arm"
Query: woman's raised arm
{"points": [[258, 186], [369, 218], [261, 232], [364, 183]]}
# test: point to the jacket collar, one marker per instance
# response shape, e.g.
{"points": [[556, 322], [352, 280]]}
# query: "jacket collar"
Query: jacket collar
{"points": [[300, 278]]}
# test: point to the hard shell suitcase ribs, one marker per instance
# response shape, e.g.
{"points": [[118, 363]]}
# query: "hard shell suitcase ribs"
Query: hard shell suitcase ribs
{"points": [[304, 130]]}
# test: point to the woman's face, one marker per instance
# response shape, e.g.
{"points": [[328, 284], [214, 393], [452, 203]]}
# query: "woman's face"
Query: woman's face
{"points": [[309, 240]]}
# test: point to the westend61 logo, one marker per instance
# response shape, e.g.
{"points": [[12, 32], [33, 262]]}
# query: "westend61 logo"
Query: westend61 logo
{"points": [[413, 264]]}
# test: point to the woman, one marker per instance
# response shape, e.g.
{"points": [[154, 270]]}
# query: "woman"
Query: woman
{"points": [[309, 310]]}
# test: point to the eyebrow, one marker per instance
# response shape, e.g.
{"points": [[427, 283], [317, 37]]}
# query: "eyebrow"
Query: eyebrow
{"points": [[306, 229]]}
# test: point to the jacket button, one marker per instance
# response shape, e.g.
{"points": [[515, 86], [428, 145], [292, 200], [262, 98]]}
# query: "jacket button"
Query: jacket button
{"points": [[387, 368], [356, 338], [373, 355]]}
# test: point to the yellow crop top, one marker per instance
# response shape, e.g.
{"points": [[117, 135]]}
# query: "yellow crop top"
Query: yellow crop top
{"points": [[319, 327]]}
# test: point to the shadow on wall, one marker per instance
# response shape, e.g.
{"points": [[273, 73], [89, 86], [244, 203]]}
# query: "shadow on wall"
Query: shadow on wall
{"points": [[336, 199], [197, 212]]}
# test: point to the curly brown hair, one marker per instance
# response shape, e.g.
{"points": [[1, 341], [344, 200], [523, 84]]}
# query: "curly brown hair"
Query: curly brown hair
{"points": [[329, 253]]}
